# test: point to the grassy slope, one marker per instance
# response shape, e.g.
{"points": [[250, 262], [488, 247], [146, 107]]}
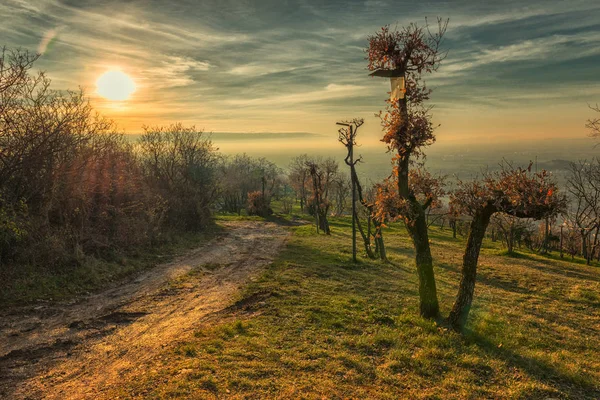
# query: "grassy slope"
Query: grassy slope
{"points": [[317, 326], [26, 283]]}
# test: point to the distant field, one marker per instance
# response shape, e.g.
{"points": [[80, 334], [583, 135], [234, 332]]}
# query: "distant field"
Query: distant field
{"points": [[315, 326]]}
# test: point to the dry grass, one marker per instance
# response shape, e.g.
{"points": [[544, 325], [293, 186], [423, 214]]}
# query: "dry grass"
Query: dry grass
{"points": [[316, 326]]}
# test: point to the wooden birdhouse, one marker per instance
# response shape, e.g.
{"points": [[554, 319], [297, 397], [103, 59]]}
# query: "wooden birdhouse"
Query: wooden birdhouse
{"points": [[397, 81]]}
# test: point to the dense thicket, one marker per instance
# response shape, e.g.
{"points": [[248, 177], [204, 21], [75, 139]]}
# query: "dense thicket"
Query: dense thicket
{"points": [[72, 186], [179, 164]]}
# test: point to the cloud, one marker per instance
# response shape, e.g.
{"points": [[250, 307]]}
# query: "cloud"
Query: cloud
{"points": [[554, 48], [330, 92], [174, 72], [23, 5]]}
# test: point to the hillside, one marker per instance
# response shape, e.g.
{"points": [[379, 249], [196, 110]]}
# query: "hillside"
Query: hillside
{"points": [[316, 326]]}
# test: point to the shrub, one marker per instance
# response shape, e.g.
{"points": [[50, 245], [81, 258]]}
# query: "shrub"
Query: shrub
{"points": [[259, 204]]}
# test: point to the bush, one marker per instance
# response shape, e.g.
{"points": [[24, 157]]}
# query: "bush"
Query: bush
{"points": [[259, 204]]}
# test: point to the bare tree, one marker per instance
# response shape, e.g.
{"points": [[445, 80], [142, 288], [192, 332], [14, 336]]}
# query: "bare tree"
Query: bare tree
{"points": [[341, 190], [347, 136], [319, 203], [242, 174], [593, 124], [583, 185], [299, 177], [181, 162], [510, 228]]}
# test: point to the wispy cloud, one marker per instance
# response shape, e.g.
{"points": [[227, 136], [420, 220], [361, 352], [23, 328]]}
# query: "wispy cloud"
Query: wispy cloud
{"points": [[553, 48], [174, 72], [330, 92]]}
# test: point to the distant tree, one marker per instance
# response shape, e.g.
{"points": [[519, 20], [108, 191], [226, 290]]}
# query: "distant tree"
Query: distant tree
{"points": [[299, 178], [376, 220], [593, 124], [181, 162], [241, 175], [341, 190], [583, 185], [322, 173], [511, 229], [514, 191], [413, 51], [572, 241], [453, 221]]}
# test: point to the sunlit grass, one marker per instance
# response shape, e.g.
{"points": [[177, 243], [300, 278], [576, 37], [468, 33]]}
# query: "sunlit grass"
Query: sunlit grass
{"points": [[315, 325]]}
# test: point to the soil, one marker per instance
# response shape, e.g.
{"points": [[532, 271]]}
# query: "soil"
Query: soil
{"points": [[85, 348]]}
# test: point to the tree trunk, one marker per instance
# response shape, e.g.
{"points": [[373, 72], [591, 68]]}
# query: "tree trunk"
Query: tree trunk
{"points": [[462, 305], [429, 306], [365, 237], [453, 226], [324, 223], [584, 244], [546, 241], [379, 242], [416, 224], [381, 248], [510, 241]]}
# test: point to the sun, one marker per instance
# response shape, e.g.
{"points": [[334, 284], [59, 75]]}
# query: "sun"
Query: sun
{"points": [[115, 85]]}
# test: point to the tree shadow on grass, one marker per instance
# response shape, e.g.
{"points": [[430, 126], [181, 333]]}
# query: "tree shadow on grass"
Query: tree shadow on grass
{"points": [[580, 387], [562, 268]]}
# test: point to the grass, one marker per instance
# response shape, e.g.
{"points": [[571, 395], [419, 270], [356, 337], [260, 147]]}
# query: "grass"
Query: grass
{"points": [[316, 326], [27, 284]]}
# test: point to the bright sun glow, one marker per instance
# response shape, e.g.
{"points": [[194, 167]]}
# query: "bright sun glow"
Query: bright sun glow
{"points": [[115, 85]]}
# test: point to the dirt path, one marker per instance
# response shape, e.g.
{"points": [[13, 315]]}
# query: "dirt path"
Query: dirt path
{"points": [[82, 349]]}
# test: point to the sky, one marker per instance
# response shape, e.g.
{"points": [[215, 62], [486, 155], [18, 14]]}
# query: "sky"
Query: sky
{"points": [[515, 70]]}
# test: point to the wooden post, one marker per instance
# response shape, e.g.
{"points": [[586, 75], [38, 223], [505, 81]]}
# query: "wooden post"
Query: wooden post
{"points": [[561, 240], [353, 197]]}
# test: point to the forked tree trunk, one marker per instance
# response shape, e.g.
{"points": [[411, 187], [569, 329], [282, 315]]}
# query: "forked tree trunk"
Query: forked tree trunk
{"points": [[584, 244], [365, 237], [416, 225], [379, 243], [462, 305]]}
